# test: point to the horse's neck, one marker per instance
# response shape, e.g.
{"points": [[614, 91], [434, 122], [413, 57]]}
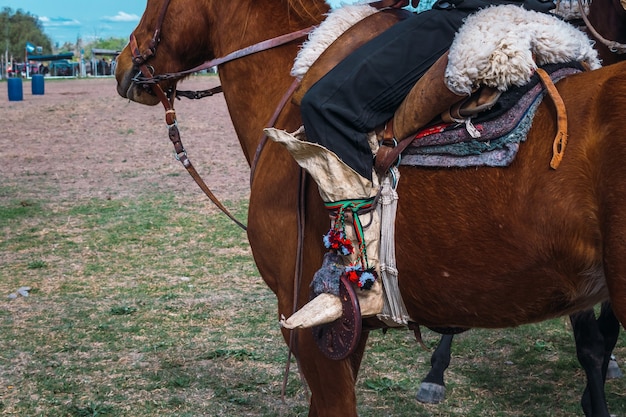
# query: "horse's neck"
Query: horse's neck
{"points": [[254, 85]]}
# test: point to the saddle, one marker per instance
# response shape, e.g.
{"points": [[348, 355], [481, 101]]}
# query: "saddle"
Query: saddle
{"points": [[428, 101], [449, 90], [344, 190]]}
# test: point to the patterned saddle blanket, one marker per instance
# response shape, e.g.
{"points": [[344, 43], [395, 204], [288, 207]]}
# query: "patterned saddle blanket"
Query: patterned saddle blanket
{"points": [[500, 130]]}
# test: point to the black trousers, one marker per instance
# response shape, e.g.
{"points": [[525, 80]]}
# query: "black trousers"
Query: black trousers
{"points": [[364, 90]]}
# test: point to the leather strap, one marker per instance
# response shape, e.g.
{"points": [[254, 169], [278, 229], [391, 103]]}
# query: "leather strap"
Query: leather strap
{"points": [[181, 155], [240, 53], [151, 81], [281, 106], [396, 4], [174, 133], [390, 149], [297, 278], [560, 140], [140, 58]]}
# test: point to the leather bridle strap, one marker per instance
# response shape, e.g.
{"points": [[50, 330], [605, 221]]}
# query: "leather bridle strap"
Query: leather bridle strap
{"points": [[151, 81], [140, 58], [174, 135], [240, 53], [181, 155]]}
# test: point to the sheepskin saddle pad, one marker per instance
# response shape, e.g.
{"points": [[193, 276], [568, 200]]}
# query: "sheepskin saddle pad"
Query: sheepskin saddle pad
{"points": [[498, 47]]}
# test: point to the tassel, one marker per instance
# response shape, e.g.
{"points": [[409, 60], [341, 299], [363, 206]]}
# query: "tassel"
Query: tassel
{"points": [[393, 308]]}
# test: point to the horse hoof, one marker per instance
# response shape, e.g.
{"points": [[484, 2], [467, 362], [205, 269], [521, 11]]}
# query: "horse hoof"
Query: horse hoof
{"points": [[613, 371], [430, 393]]}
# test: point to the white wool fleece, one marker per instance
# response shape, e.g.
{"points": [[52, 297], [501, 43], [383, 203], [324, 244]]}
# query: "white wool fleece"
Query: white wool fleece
{"points": [[495, 47], [336, 23]]}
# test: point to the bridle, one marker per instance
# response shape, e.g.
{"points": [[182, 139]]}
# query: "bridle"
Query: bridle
{"points": [[140, 59], [145, 77]]}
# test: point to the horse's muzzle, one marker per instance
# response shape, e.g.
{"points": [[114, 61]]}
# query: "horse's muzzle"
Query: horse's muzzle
{"points": [[127, 88]]}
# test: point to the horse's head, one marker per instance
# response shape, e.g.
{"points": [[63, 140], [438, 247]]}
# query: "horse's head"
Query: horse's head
{"points": [[171, 37], [175, 36]]}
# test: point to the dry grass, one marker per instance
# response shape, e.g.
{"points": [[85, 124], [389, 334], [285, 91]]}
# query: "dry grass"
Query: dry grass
{"points": [[145, 300]]}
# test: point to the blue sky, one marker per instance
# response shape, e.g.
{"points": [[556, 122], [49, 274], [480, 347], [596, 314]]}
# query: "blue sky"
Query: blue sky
{"points": [[66, 20]]}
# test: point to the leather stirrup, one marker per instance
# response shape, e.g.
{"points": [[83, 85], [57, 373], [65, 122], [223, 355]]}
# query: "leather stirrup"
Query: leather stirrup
{"points": [[427, 99]]}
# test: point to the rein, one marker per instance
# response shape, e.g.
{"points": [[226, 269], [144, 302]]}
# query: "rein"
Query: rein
{"points": [[615, 47], [172, 125], [145, 77], [240, 53]]}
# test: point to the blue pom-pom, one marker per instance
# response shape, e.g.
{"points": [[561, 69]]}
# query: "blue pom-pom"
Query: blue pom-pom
{"points": [[366, 280]]}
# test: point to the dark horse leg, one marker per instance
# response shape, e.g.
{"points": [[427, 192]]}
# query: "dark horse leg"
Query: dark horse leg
{"points": [[433, 389], [595, 340]]}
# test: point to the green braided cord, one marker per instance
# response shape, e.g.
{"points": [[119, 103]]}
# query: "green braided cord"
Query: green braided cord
{"points": [[358, 229], [354, 206]]}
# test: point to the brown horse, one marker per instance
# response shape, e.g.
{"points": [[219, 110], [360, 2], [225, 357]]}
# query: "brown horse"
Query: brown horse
{"points": [[595, 337], [485, 247]]}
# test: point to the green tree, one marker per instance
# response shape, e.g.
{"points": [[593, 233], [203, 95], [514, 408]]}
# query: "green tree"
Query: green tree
{"points": [[114, 44], [17, 28]]}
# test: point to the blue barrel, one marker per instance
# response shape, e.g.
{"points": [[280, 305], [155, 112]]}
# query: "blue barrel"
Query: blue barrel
{"points": [[16, 93], [38, 85]]}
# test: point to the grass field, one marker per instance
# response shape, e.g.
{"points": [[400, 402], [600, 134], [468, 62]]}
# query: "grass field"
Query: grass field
{"points": [[148, 307], [146, 301]]}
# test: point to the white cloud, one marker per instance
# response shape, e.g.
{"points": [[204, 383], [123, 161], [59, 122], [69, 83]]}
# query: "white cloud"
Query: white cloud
{"points": [[59, 22], [122, 17]]}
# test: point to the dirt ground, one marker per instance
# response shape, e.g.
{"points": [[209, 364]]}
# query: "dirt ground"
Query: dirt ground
{"points": [[87, 141]]}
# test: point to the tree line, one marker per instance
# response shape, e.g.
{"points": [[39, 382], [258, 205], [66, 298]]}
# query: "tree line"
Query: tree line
{"points": [[19, 27]]}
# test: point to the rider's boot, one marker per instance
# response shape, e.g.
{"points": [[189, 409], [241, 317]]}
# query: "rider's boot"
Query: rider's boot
{"points": [[352, 240], [429, 98]]}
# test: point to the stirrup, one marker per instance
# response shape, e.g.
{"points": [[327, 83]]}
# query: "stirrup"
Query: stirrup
{"points": [[339, 339]]}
